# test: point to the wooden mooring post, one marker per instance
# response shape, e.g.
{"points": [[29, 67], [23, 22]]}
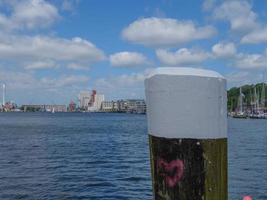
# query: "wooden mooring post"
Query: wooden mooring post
{"points": [[187, 126]]}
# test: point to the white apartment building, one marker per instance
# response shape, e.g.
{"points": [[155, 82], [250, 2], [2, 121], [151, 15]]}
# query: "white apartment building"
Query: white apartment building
{"points": [[84, 99], [96, 105], [109, 106], [90, 100]]}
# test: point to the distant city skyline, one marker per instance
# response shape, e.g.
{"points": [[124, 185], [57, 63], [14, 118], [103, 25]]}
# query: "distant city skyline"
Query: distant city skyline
{"points": [[52, 50]]}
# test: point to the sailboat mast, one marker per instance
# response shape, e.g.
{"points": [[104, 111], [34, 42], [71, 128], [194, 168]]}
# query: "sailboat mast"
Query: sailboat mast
{"points": [[232, 103], [251, 99], [263, 96], [255, 99], [4, 95], [241, 100]]}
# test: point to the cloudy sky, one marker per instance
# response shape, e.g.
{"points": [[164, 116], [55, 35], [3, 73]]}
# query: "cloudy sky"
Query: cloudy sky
{"points": [[50, 50]]}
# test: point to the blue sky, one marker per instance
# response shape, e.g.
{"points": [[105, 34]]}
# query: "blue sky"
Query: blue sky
{"points": [[51, 50]]}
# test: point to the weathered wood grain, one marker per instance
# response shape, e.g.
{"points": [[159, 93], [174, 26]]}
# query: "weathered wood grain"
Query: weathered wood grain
{"points": [[189, 169]]}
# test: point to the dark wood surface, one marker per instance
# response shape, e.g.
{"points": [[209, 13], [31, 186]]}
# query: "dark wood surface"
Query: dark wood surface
{"points": [[189, 169]]}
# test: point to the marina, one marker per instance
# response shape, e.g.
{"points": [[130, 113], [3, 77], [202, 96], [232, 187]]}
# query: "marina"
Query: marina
{"points": [[253, 107]]}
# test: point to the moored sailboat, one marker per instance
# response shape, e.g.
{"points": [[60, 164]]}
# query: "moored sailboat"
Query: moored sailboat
{"points": [[258, 106], [240, 113]]}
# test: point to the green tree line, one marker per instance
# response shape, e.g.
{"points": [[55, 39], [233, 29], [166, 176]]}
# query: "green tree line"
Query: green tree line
{"points": [[249, 95]]}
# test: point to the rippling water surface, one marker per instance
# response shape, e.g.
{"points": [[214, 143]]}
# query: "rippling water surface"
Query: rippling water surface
{"points": [[105, 156]]}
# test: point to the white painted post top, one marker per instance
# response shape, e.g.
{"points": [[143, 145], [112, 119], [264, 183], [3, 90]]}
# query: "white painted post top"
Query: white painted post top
{"points": [[185, 71], [186, 103]]}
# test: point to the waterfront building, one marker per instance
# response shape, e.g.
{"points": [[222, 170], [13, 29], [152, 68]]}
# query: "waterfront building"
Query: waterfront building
{"points": [[122, 105], [72, 107], [109, 106], [9, 106], [96, 102], [140, 106], [135, 106], [84, 99], [55, 108], [32, 108], [44, 108], [115, 106], [91, 101], [127, 106], [99, 98]]}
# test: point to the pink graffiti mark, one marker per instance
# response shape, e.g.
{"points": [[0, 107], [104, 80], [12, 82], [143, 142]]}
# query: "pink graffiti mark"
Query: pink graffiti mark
{"points": [[172, 171]]}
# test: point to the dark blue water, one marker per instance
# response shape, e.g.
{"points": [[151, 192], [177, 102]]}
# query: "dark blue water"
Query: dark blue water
{"points": [[105, 156], [247, 158]]}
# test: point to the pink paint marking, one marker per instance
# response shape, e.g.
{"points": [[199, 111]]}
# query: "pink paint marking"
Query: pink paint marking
{"points": [[172, 171], [247, 198]]}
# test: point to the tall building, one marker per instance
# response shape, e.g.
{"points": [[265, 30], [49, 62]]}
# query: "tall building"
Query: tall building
{"points": [[99, 99], [95, 101], [91, 101], [84, 99], [72, 106]]}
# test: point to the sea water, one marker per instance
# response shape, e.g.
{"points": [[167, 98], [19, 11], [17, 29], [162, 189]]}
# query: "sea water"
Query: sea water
{"points": [[106, 156]]}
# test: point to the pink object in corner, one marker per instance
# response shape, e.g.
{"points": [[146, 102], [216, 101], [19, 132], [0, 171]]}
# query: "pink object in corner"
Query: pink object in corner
{"points": [[247, 198]]}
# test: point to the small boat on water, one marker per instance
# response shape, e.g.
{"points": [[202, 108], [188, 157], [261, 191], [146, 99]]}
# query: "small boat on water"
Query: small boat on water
{"points": [[240, 115], [258, 116]]}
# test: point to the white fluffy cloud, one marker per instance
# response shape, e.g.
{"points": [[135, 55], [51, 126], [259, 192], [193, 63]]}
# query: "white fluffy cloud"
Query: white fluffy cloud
{"points": [[242, 20], [45, 64], [39, 49], [78, 66], [128, 59], [121, 81], [163, 32], [224, 50], [29, 14], [239, 14], [123, 86], [255, 37], [252, 61], [24, 46], [182, 56], [24, 80], [243, 61], [25, 88], [238, 78], [64, 81]]}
